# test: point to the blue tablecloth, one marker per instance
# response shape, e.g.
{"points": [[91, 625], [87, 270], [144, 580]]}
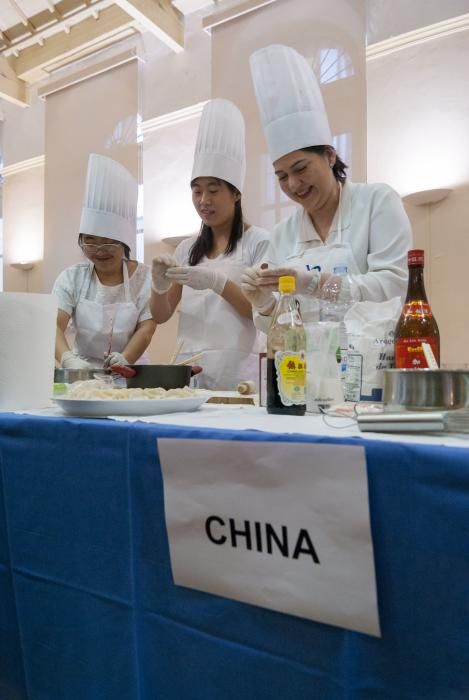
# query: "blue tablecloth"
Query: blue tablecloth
{"points": [[88, 609]]}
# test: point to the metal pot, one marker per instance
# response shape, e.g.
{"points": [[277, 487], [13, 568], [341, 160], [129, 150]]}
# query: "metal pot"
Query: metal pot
{"points": [[68, 376], [425, 389], [164, 376]]}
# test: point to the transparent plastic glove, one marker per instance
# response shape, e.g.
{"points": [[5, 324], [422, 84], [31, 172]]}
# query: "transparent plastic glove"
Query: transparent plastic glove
{"points": [[307, 281], [115, 358], [198, 277], [159, 266], [72, 360], [261, 298]]}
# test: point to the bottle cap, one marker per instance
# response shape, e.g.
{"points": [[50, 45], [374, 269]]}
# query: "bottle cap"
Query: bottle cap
{"points": [[286, 283], [415, 258]]}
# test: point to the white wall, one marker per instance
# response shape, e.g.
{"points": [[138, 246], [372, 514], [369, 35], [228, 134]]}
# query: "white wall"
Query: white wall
{"points": [[387, 18], [418, 139]]}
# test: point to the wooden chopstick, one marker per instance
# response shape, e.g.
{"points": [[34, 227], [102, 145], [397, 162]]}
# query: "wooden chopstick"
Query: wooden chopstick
{"points": [[176, 352], [189, 359]]}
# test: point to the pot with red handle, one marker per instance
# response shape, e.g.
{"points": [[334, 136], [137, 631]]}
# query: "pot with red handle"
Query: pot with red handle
{"points": [[163, 376]]}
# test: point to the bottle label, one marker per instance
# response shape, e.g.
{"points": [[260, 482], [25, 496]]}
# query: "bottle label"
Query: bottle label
{"points": [[416, 309], [291, 377], [415, 258], [409, 352]]}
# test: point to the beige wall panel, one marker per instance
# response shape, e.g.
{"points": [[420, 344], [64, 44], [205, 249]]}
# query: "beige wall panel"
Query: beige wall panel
{"points": [[168, 209], [311, 28], [164, 341], [98, 115], [172, 81], [418, 139], [23, 134], [167, 166]]}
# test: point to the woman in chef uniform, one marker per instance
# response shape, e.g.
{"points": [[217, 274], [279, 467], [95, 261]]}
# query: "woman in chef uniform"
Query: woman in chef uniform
{"points": [[361, 226], [205, 271], [107, 296]]}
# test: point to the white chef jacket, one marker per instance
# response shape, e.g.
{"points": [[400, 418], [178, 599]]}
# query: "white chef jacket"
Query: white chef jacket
{"points": [[370, 224], [207, 323], [103, 314]]}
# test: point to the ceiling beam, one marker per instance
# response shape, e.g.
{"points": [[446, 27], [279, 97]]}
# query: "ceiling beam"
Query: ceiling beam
{"points": [[159, 17], [111, 20], [227, 15], [46, 23], [11, 89]]}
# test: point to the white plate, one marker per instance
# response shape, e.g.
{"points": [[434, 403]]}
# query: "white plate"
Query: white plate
{"points": [[132, 407]]}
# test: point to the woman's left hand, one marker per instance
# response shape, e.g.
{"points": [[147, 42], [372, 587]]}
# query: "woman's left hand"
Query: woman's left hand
{"points": [[307, 281], [198, 278]]}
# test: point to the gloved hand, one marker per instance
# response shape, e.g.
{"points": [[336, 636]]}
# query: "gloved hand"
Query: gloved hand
{"points": [[199, 277], [72, 360], [307, 281], [159, 267], [261, 298], [115, 358]]}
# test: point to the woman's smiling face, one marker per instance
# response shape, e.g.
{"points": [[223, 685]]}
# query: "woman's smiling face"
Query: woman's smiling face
{"points": [[214, 201], [307, 178]]}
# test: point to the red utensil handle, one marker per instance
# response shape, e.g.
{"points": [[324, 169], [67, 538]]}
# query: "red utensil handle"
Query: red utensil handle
{"points": [[123, 370]]}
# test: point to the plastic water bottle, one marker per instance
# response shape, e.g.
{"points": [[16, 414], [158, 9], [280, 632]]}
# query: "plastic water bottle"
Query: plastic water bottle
{"points": [[335, 300]]}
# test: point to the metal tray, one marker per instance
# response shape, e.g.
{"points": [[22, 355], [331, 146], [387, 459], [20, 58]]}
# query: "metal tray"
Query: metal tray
{"points": [[425, 389]]}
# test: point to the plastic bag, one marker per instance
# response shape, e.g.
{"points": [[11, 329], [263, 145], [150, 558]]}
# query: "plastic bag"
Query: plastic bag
{"points": [[370, 336], [323, 365]]}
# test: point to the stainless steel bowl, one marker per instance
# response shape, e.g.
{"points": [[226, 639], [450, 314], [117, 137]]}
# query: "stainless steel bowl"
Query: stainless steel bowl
{"points": [[68, 376], [425, 389]]}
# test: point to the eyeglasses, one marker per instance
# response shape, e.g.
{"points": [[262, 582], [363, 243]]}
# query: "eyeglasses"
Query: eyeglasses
{"points": [[92, 248]]}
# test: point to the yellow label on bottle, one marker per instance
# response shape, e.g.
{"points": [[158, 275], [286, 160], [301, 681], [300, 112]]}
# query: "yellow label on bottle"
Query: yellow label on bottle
{"points": [[291, 377]]}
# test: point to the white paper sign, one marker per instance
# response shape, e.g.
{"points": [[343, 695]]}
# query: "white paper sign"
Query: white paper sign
{"points": [[280, 525]]}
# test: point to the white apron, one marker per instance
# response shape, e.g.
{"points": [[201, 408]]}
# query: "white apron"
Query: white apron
{"points": [[209, 324], [94, 323], [322, 258]]}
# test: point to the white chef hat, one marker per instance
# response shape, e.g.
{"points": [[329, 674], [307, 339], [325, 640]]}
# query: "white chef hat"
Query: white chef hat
{"points": [[289, 100], [219, 151], [110, 201]]}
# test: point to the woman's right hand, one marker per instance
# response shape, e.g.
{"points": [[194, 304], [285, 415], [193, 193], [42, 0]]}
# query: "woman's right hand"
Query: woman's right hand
{"points": [[160, 264], [261, 298]]}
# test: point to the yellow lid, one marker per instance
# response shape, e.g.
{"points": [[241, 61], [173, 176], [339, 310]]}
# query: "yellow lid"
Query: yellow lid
{"points": [[286, 284]]}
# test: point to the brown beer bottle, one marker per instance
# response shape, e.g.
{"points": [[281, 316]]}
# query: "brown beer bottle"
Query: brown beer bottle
{"points": [[416, 324]]}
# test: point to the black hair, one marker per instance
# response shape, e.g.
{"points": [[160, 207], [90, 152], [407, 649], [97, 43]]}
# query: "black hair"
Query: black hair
{"points": [[126, 247], [339, 166], [204, 241]]}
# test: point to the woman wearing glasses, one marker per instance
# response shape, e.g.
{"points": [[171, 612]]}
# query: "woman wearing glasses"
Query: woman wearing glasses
{"points": [[107, 297]]}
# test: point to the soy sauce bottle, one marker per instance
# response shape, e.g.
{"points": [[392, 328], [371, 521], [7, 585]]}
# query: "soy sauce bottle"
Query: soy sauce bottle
{"points": [[286, 348], [417, 323]]}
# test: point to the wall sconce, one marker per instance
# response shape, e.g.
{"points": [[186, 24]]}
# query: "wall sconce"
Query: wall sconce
{"points": [[426, 197], [24, 267]]}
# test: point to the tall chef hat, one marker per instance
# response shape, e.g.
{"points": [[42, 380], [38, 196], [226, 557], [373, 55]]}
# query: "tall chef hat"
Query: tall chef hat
{"points": [[110, 201], [289, 100], [219, 151]]}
